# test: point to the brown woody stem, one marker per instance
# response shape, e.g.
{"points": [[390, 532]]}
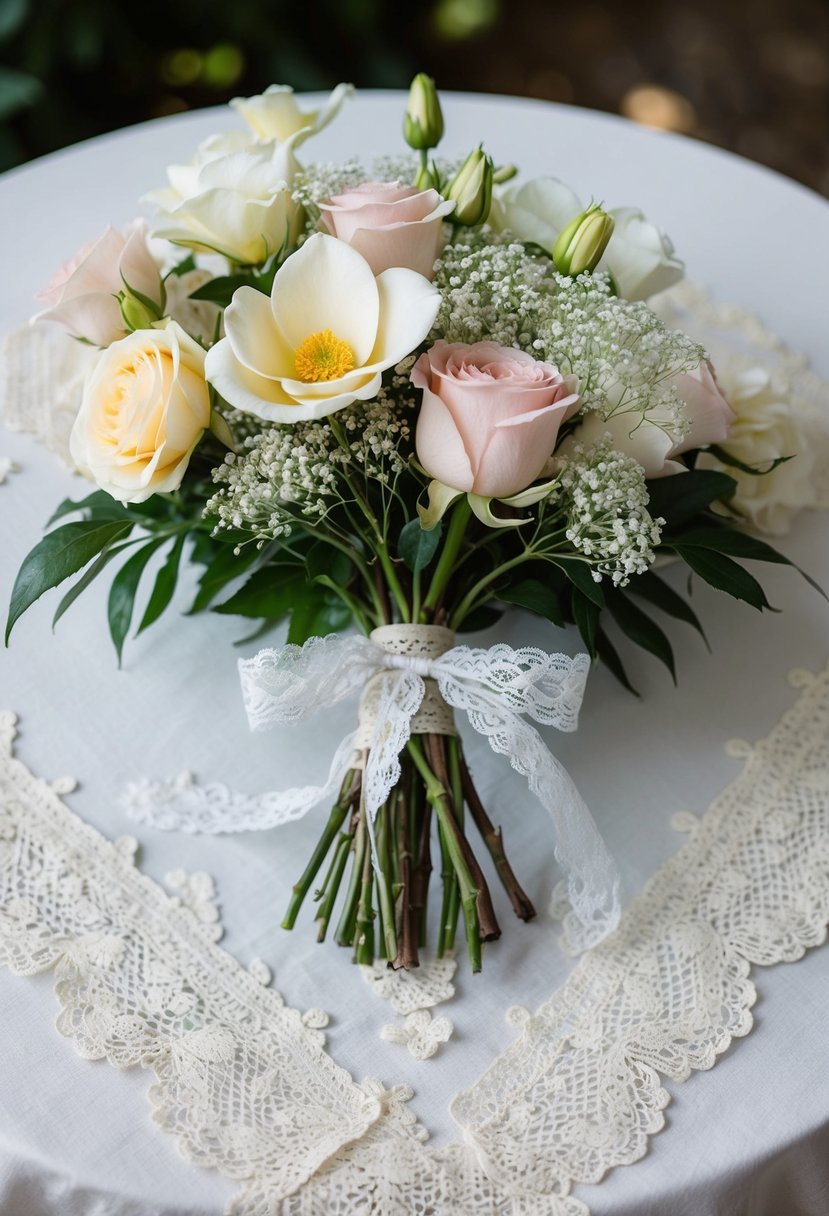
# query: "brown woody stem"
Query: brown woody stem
{"points": [[494, 841]]}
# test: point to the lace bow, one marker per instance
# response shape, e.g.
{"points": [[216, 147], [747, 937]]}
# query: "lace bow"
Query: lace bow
{"points": [[493, 687]]}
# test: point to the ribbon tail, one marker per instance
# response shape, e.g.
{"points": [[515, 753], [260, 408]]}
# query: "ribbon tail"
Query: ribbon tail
{"points": [[400, 699], [591, 880], [182, 805]]}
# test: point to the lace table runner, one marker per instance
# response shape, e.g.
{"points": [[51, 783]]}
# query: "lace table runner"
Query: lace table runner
{"points": [[244, 1082]]}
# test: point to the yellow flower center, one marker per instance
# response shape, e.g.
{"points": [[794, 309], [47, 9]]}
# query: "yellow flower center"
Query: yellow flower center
{"points": [[323, 356]]}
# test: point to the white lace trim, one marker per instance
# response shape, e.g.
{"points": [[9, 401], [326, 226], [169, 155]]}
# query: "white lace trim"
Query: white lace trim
{"points": [[245, 1085]]}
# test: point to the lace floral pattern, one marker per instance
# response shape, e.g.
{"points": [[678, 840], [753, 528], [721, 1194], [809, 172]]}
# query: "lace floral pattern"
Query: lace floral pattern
{"points": [[578, 1093]]}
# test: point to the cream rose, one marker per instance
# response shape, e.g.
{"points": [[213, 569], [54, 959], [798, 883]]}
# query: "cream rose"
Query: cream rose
{"points": [[639, 256], [490, 416], [324, 337], [390, 224], [766, 427], [145, 406], [231, 200], [275, 114], [653, 444], [82, 293]]}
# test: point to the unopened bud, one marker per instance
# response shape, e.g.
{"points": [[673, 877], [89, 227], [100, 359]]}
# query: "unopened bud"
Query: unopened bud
{"points": [[471, 190], [580, 245], [423, 120], [135, 313]]}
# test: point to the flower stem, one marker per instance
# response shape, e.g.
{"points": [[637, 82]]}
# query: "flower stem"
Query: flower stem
{"points": [[364, 932], [384, 893], [493, 839], [437, 797], [347, 924], [332, 883], [468, 601], [335, 821], [446, 562]]}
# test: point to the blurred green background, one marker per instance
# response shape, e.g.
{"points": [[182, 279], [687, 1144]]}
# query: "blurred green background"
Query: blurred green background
{"points": [[749, 75]]}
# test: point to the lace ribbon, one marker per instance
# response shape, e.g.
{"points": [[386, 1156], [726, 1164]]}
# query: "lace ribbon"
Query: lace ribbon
{"points": [[492, 687]]}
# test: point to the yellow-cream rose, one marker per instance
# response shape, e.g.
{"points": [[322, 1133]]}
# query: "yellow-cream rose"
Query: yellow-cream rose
{"points": [[145, 406]]}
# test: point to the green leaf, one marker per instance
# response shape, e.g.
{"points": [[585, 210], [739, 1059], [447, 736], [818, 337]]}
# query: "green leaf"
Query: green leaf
{"points": [[221, 570], [220, 290], [740, 544], [752, 469], [269, 594], [679, 498], [417, 546], [58, 555], [579, 573], [165, 585], [536, 597], [586, 615], [656, 591], [315, 614], [123, 591], [183, 267], [479, 619], [724, 574], [88, 576], [609, 655], [639, 627], [324, 561], [99, 504]]}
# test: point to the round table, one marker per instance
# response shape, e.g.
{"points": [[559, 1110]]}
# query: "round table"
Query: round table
{"points": [[752, 1136]]}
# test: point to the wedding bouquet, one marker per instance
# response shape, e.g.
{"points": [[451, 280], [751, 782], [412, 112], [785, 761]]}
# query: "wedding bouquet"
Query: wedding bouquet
{"points": [[405, 398]]}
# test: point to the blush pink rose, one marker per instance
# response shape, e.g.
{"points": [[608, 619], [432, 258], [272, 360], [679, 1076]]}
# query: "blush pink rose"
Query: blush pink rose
{"points": [[706, 408], [389, 224], [490, 416], [81, 294]]}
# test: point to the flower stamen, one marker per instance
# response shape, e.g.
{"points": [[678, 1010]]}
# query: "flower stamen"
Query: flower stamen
{"points": [[322, 356]]}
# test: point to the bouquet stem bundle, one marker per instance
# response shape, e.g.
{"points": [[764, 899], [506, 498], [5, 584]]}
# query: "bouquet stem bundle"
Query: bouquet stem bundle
{"points": [[383, 909]]}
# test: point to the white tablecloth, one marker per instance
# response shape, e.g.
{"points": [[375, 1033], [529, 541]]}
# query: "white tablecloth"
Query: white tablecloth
{"points": [[750, 1137]]}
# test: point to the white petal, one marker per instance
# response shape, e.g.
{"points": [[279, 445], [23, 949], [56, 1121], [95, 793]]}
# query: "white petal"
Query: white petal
{"points": [[254, 336], [352, 382], [409, 304], [327, 285], [241, 387]]}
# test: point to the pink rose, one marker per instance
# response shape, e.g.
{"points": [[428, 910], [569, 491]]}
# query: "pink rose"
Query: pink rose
{"points": [[706, 408], [81, 294], [490, 416], [389, 224]]}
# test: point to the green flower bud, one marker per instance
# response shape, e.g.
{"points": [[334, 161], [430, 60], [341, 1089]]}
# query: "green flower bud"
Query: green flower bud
{"points": [[423, 120], [504, 173], [135, 313], [471, 190], [580, 245]]}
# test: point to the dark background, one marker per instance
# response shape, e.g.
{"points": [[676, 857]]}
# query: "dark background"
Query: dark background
{"points": [[750, 75]]}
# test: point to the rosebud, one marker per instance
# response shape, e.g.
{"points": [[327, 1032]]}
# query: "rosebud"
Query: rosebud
{"points": [[580, 245], [135, 313], [471, 190], [423, 120]]}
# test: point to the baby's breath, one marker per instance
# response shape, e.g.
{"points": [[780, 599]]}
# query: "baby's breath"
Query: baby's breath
{"points": [[605, 501], [624, 358]]}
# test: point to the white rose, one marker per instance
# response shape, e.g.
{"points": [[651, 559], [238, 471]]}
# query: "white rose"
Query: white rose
{"points": [[231, 200], [766, 427], [145, 406], [639, 256], [275, 114]]}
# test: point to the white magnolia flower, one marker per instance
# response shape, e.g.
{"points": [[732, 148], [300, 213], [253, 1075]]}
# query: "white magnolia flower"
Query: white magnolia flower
{"points": [[765, 428], [639, 256], [231, 199], [275, 114], [325, 336]]}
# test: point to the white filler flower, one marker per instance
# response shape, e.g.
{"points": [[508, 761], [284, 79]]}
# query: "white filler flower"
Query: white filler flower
{"points": [[324, 337]]}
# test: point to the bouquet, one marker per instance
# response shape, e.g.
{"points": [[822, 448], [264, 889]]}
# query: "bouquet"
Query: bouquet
{"points": [[402, 398]]}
